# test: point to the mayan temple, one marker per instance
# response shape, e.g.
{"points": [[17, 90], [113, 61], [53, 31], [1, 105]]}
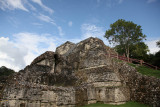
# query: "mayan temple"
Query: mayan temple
{"points": [[79, 74]]}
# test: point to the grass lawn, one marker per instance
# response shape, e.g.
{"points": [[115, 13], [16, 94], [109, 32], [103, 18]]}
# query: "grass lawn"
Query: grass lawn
{"points": [[128, 104], [146, 71]]}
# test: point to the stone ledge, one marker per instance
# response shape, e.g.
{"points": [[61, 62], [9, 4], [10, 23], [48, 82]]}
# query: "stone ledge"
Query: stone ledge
{"points": [[107, 84]]}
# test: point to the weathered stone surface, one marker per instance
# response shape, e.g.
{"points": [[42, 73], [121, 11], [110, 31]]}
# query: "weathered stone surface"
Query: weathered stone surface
{"points": [[143, 89], [79, 74], [65, 48], [45, 56], [46, 59]]}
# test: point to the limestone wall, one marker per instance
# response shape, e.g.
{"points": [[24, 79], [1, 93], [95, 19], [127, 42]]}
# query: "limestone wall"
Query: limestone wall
{"points": [[79, 74], [144, 89]]}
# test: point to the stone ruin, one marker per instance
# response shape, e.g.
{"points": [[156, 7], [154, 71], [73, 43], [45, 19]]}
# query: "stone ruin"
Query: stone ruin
{"points": [[79, 74]]}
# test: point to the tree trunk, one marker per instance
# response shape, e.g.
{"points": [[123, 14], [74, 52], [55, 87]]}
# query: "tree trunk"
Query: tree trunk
{"points": [[127, 51], [128, 54]]}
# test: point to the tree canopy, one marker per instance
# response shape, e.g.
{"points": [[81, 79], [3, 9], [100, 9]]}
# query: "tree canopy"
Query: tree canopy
{"points": [[126, 34], [4, 71], [158, 43], [138, 50]]}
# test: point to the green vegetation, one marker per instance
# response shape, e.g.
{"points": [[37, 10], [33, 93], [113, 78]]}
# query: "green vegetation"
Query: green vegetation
{"points": [[128, 104], [127, 35], [154, 59], [146, 71], [117, 60], [4, 74], [131, 64], [4, 71], [158, 43], [128, 40], [137, 50]]}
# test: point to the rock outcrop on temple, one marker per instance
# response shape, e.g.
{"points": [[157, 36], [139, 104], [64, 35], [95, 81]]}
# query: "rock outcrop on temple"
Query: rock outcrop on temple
{"points": [[79, 74]]}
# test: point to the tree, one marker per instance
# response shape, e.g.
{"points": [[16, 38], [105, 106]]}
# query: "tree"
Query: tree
{"points": [[158, 43], [4, 74], [125, 34], [138, 50], [4, 71], [156, 60]]}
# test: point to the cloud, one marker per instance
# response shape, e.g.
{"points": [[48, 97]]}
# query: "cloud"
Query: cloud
{"points": [[11, 55], [70, 23], [12, 4], [152, 45], [23, 48], [30, 6], [60, 31], [39, 2], [46, 19], [91, 30], [151, 1], [20, 4]]}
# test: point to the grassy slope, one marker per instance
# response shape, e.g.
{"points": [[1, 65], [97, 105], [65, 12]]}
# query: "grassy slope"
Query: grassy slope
{"points": [[128, 104], [146, 71]]}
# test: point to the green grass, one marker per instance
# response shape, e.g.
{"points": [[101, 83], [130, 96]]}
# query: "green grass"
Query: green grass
{"points": [[117, 60], [146, 71], [128, 104], [131, 64]]}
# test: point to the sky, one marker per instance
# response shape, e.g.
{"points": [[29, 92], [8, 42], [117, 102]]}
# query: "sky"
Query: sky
{"points": [[30, 27]]}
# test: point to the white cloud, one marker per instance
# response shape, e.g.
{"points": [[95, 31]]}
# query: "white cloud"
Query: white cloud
{"points": [[11, 55], [152, 45], [39, 2], [49, 20], [12, 4], [70, 23], [34, 42], [60, 31], [151, 1], [30, 6], [46, 19], [91, 30], [20, 4], [24, 47]]}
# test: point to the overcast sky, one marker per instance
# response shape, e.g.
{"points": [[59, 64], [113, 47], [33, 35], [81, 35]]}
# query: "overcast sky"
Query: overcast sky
{"points": [[30, 27]]}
